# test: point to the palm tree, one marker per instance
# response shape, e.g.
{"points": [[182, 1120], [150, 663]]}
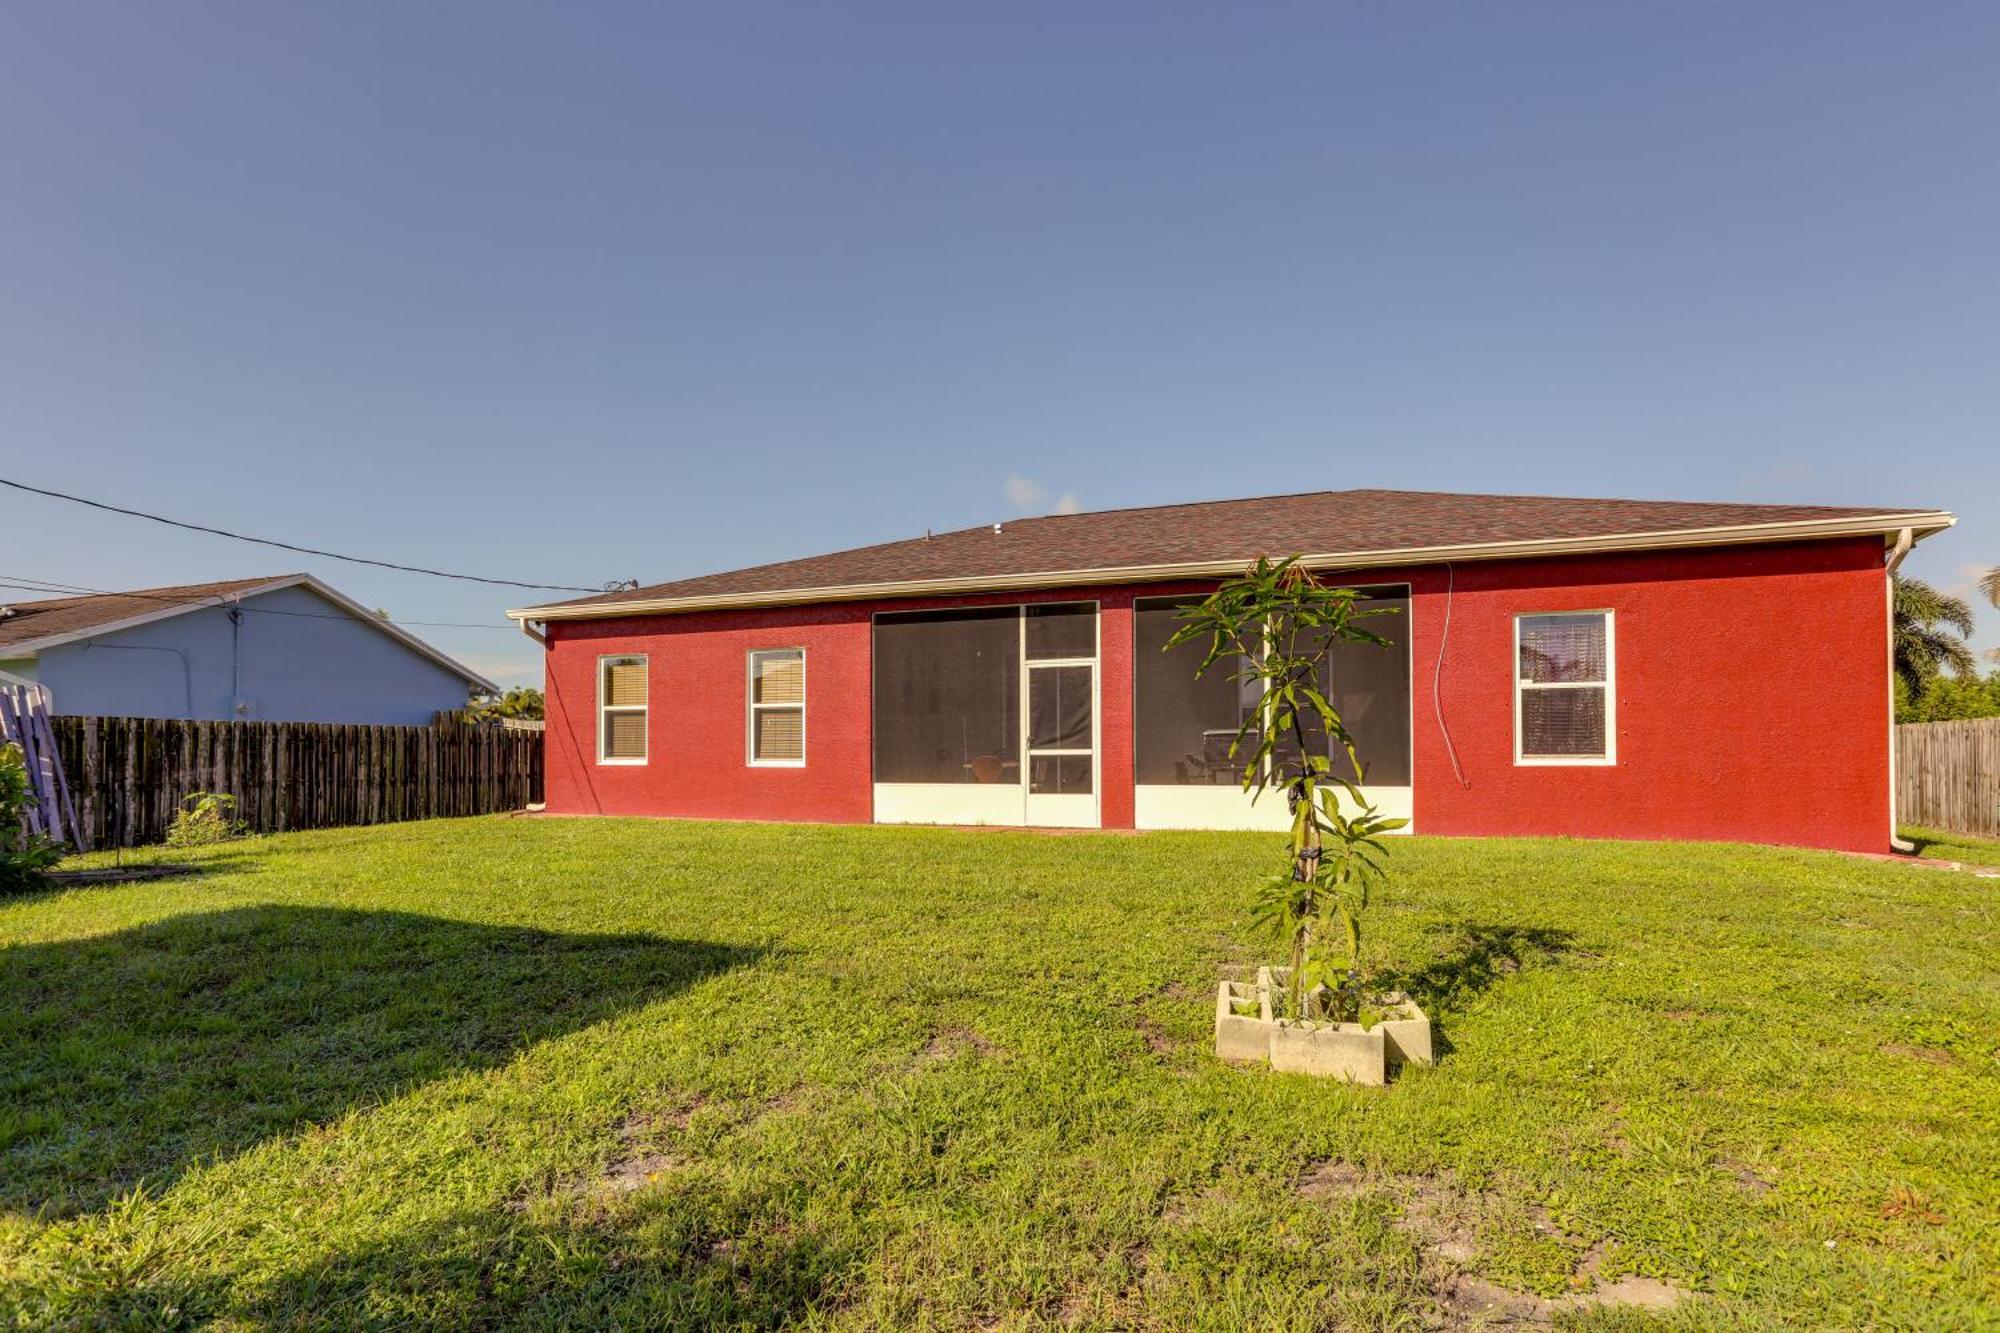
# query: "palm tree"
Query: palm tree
{"points": [[1930, 630], [1989, 583]]}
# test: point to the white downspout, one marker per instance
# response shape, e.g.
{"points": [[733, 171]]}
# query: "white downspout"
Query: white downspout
{"points": [[1904, 540]]}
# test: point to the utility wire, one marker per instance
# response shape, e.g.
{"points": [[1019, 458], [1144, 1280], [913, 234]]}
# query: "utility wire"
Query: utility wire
{"points": [[59, 590], [302, 550]]}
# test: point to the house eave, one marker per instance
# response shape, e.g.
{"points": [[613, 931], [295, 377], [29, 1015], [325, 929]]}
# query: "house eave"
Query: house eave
{"points": [[1922, 524], [34, 647]]}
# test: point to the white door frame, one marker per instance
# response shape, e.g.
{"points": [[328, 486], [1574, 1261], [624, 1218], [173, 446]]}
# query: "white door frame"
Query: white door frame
{"points": [[1060, 810], [1063, 811]]}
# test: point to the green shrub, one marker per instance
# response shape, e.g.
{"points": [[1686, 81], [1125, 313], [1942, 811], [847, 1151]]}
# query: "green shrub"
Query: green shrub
{"points": [[1949, 699], [205, 818], [24, 856]]}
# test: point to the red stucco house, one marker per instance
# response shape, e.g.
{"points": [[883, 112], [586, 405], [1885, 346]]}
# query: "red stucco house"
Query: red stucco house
{"points": [[1598, 668]]}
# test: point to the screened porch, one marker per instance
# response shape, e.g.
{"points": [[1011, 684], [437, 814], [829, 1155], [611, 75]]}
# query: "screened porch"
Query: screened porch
{"points": [[993, 715]]}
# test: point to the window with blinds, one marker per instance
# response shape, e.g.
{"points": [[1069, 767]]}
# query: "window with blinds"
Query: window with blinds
{"points": [[1564, 695], [777, 721], [621, 710]]}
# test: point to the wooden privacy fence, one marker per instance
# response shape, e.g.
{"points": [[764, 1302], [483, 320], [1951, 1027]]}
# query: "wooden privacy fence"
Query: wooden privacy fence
{"points": [[1948, 775], [127, 775]]}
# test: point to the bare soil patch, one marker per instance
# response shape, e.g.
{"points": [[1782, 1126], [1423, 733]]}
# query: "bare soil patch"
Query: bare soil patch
{"points": [[1746, 1177], [636, 1173], [956, 1041], [1332, 1180], [1930, 1055], [1441, 1217], [1158, 1041]]}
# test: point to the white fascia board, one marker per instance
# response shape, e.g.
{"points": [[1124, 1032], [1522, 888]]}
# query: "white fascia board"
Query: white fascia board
{"points": [[1922, 524]]}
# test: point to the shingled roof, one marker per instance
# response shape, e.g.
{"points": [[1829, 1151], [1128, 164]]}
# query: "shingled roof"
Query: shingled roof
{"points": [[1333, 529], [26, 628], [30, 622]]}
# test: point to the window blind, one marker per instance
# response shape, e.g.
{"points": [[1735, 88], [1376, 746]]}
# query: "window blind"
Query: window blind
{"points": [[778, 706], [780, 735], [1563, 665], [625, 684], [781, 678], [625, 735]]}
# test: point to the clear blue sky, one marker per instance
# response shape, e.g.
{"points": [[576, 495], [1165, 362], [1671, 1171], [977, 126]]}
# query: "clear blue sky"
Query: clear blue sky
{"points": [[586, 292]]}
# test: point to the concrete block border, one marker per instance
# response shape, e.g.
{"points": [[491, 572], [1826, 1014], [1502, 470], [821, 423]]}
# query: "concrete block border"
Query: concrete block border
{"points": [[1247, 1032]]}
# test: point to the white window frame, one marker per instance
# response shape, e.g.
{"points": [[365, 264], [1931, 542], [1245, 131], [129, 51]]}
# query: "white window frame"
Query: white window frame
{"points": [[644, 709], [752, 708], [1609, 684]]}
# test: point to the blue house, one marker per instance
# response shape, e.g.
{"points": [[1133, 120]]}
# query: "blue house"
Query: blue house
{"points": [[282, 649]]}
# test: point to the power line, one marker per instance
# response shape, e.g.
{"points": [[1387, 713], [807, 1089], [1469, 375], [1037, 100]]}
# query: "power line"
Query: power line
{"points": [[24, 583], [302, 550]]}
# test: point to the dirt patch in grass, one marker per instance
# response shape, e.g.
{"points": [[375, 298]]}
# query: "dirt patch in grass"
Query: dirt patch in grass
{"points": [[956, 1041], [640, 1125], [642, 1162], [1930, 1055], [641, 1158], [1906, 1204], [1442, 1218], [1746, 1177], [1614, 1132], [1183, 1209], [1331, 1181], [636, 1173], [1158, 1040]]}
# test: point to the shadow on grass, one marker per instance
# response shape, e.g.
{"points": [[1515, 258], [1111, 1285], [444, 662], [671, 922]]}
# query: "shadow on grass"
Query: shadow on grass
{"points": [[690, 1254], [58, 882], [133, 1055], [1924, 842], [1474, 956], [1966, 848]]}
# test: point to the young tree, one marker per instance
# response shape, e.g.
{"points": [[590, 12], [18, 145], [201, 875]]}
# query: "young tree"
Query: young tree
{"points": [[1277, 624], [1989, 584]]}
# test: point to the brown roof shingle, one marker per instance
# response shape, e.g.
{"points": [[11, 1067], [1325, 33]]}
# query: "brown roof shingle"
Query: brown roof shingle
{"points": [[1320, 523], [30, 621]]}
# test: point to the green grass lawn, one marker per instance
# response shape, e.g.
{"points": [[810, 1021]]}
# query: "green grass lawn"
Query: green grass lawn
{"points": [[1942, 845], [595, 1073]]}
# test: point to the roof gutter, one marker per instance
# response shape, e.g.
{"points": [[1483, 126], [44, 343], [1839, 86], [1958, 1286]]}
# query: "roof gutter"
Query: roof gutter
{"points": [[1921, 524]]}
